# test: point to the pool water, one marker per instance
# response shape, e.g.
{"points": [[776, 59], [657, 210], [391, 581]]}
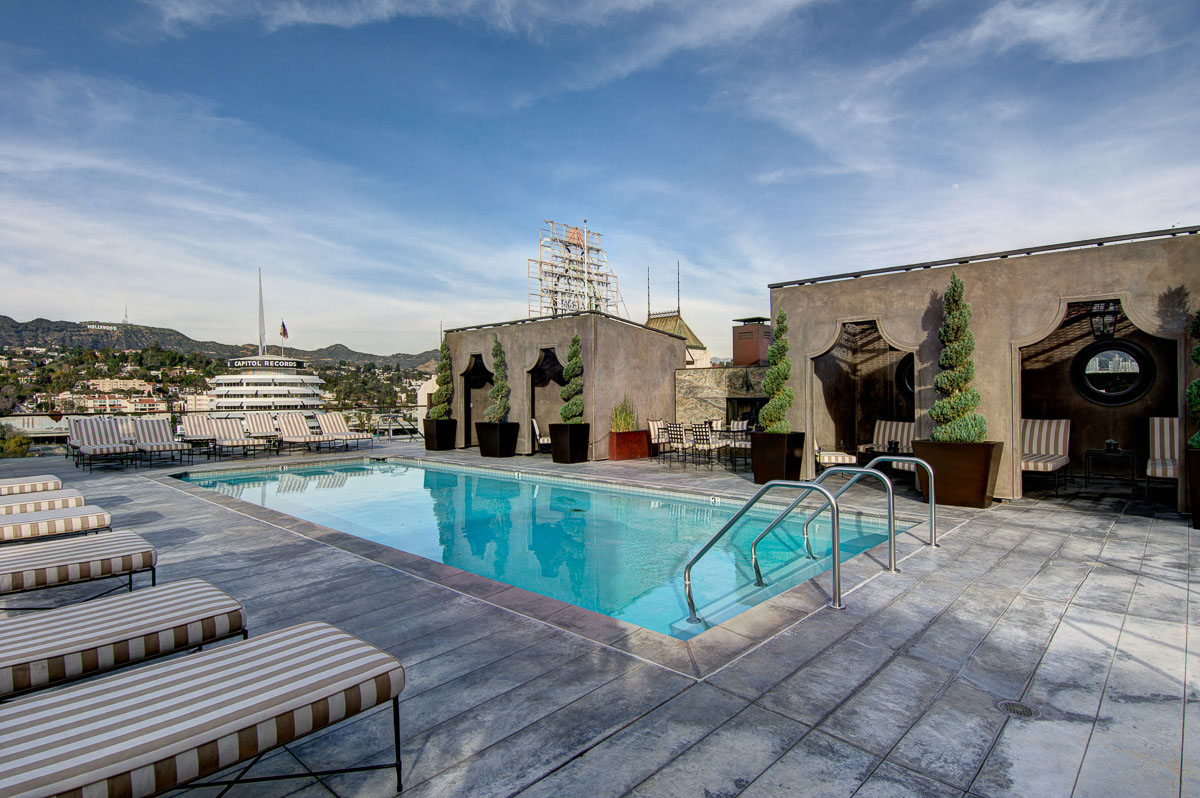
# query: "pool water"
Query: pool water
{"points": [[616, 552]]}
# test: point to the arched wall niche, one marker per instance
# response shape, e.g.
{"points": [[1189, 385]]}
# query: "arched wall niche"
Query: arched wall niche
{"points": [[476, 382], [545, 383]]}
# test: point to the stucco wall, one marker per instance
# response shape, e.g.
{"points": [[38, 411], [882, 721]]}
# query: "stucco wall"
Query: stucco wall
{"points": [[619, 358], [1016, 301]]}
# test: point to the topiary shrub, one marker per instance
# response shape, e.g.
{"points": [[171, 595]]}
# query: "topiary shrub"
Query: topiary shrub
{"points": [[1192, 394], [954, 413], [572, 393], [498, 411], [773, 416], [439, 402]]}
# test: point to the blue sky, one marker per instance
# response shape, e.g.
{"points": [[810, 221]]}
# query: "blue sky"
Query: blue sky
{"points": [[388, 163]]}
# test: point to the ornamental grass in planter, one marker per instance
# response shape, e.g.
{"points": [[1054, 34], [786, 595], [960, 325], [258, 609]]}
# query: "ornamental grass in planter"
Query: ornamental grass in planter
{"points": [[1192, 395], [964, 463], [777, 452], [439, 429], [497, 435], [625, 440], [569, 440]]}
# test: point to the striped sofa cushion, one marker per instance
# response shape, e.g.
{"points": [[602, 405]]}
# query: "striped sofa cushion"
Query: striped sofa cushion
{"points": [[18, 485], [828, 457], [1162, 468], [82, 639], [1044, 443], [146, 731], [54, 522], [1043, 462], [58, 562], [38, 502], [885, 431]]}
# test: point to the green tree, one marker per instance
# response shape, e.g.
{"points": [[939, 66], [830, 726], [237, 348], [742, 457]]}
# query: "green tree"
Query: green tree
{"points": [[439, 402], [1192, 395], [498, 411], [954, 414], [572, 393], [773, 416]]}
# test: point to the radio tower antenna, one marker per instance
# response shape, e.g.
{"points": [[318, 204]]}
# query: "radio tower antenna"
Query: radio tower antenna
{"points": [[262, 323]]}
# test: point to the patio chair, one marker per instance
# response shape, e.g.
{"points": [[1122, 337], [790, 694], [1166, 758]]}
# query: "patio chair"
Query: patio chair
{"points": [[739, 443], [1166, 438], [334, 424], [704, 443], [1045, 445], [49, 563], [677, 442], [198, 431], [48, 523], [15, 486], [101, 437], [40, 502], [658, 437], [541, 442], [153, 436], [262, 425], [828, 456], [150, 730], [294, 431], [80, 640], [231, 436]]}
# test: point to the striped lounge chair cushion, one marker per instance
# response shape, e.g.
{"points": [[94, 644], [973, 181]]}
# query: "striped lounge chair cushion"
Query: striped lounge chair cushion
{"points": [[53, 522], [827, 457], [154, 435], [261, 425], [59, 562], [108, 448], [295, 429], [1162, 468], [37, 502], [145, 731], [100, 436], [18, 485], [197, 428], [164, 447], [335, 424], [1043, 462], [82, 639], [229, 433]]}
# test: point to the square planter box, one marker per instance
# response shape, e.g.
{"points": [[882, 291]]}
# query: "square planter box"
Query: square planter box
{"points": [[497, 439], [964, 473], [439, 433], [776, 455], [629, 445], [569, 442]]}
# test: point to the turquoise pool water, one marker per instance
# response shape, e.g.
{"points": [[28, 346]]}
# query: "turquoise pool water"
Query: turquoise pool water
{"points": [[615, 552]]}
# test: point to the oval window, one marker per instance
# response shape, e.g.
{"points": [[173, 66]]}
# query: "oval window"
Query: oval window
{"points": [[1113, 372]]}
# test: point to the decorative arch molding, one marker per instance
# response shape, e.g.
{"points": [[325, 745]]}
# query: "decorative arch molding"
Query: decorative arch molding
{"points": [[476, 371], [1129, 308], [835, 334], [547, 368]]}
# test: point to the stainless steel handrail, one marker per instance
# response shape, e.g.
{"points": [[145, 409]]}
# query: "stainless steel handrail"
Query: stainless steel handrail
{"points": [[900, 458], [860, 472], [835, 602]]}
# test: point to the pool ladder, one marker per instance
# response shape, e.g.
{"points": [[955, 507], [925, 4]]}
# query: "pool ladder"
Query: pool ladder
{"points": [[830, 501]]}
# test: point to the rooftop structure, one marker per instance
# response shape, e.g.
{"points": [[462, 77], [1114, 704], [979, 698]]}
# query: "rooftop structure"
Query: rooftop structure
{"points": [[571, 273]]}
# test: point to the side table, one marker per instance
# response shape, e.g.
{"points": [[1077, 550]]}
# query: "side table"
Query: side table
{"points": [[1117, 456]]}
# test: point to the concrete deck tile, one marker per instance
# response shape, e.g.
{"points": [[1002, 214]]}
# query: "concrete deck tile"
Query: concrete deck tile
{"points": [[892, 781], [1034, 756], [820, 685], [592, 625], [879, 714], [635, 753], [1158, 599], [1106, 588], [951, 740], [728, 759], [817, 765], [1069, 682], [1006, 658], [416, 649], [953, 636]]}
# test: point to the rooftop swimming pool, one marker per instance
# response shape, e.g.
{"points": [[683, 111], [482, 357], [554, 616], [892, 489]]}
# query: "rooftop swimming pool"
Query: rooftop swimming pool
{"points": [[615, 551]]}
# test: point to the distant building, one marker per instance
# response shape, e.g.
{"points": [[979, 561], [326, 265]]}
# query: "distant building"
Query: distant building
{"points": [[107, 385], [672, 322]]}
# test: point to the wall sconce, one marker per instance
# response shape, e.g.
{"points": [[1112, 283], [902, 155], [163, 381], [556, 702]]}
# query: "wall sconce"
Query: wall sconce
{"points": [[1103, 317]]}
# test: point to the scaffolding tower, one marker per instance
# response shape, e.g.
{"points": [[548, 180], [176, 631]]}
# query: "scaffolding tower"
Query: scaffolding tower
{"points": [[571, 273]]}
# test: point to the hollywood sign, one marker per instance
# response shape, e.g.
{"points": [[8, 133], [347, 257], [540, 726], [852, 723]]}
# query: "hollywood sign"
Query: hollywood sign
{"points": [[264, 363], [111, 327]]}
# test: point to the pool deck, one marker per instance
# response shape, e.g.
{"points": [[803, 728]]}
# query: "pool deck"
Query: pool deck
{"points": [[1078, 606]]}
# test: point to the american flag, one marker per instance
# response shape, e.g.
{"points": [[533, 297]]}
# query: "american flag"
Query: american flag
{"points": [[282, 330]]}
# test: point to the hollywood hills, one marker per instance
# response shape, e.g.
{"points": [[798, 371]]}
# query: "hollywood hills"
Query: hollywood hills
{"points": [[115, 335]]}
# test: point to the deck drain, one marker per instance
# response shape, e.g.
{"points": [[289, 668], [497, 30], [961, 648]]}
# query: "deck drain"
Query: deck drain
{"points": [[1017, 710]]}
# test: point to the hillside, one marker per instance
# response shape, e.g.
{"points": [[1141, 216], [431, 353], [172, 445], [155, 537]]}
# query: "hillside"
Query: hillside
{"points": [[68, 334]]}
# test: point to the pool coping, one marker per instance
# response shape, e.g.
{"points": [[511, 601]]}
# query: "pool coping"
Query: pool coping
{"points": [[698, 657]]}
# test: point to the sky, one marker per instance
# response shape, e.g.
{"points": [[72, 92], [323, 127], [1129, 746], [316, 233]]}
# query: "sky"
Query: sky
{"points": [[388, 164]]}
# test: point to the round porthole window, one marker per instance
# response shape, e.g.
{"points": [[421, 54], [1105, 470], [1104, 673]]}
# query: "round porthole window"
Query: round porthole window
{"points": [[904, 375], [1113, 372]]}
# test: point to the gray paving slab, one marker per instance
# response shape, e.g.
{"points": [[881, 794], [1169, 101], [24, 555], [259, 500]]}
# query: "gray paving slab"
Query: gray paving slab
{"points": [[893, 781], [952, 738], [817, 765]]}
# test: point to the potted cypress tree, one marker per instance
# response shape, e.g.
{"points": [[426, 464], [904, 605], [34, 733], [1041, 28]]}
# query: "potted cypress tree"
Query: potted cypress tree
{"points": [[439, 428], [964, 463], [569, 440], [1192, 395], [625, 440], [776, 451], [497, 435]]}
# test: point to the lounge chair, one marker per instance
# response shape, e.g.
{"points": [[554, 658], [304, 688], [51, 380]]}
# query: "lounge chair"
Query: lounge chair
{"points": [[539, 440], [231, 436], [198, 431], [262, 425], [155, 728], [153, 436], [48, 523], [295, 431], [1045, 445], [40, 502], [49, 563], [102, 438], [334, 424], [84, 639], [1166, 438], [18, 485]]}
